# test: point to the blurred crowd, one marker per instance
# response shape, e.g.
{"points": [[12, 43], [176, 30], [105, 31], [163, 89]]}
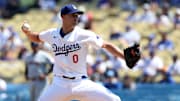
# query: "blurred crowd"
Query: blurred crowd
{"points": [[102, 67], [8, 8]]}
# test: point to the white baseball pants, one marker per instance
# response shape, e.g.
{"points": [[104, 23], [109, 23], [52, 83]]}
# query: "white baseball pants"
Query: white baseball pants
{"points": [[63, 89]]}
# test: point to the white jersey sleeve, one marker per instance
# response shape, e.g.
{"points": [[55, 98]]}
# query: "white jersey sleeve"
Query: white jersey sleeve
{"points": [[45, 36], [94, 40]]}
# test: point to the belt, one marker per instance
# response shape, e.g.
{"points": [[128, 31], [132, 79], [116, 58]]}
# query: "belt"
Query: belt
{"points": [[72, 78], [36, 79]]}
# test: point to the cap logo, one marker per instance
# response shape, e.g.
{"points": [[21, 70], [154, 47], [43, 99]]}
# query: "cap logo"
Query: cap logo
{"points": [[73, 6]]}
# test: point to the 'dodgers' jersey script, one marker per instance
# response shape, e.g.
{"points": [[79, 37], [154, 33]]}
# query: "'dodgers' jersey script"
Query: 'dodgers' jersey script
{"points": [[71, 50]]}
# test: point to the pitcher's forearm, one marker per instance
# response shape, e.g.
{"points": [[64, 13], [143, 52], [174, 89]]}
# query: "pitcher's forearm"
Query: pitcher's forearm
{"points": [[33, 36], [114, 50]]}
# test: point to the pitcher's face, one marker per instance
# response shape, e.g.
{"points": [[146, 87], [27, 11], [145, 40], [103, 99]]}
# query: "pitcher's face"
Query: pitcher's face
{"points": [[70, 19]]}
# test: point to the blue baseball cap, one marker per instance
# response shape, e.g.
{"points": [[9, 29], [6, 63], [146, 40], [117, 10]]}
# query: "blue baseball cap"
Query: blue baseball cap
{"points": [[70, 9]]}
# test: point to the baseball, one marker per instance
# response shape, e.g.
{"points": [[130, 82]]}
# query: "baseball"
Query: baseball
{"points": [[26, 26]]}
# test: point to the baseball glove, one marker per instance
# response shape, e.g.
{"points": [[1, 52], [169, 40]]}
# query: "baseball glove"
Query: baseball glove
{"points": [[132, 54]]}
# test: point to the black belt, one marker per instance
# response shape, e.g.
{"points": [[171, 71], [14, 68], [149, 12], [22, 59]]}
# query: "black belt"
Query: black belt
{"points": [[36, 79], [72, 78]]}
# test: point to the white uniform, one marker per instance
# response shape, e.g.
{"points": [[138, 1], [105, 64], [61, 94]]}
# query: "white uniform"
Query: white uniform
{"points": [[70, 54]]}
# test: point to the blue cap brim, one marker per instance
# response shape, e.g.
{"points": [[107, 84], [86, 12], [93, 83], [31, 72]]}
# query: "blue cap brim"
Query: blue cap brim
{"points": [[75, 11]]}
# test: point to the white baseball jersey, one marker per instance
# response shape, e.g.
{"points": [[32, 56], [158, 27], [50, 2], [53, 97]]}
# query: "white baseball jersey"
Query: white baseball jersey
{"points": [[71, 50]]}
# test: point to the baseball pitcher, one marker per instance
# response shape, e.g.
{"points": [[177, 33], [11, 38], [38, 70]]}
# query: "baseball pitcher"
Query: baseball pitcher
{"points": [[70, 47]]}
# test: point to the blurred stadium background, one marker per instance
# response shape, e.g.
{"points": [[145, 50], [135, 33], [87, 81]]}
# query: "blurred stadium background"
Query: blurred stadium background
{"points": [[153, 23]]}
